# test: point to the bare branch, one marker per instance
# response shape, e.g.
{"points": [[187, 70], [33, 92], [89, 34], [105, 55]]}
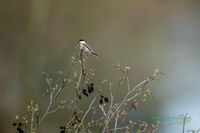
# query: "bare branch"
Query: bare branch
{"points": [[116, 121], [88, 110], [184, 122], [48, 108]]}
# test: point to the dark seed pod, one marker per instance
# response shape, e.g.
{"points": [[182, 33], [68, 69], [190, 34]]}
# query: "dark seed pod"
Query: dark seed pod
{"points": [[84, 90], [20, 124], [14, 124], [102, 96], [79, 97], [92, 87], [106, 99], [86, 94], [79, 121], [20, 130], [101, 101], [89, 90], [61, 127]]}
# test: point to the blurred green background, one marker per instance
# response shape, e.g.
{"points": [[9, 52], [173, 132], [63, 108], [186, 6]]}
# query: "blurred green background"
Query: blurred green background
{"points": [[40, 35]]}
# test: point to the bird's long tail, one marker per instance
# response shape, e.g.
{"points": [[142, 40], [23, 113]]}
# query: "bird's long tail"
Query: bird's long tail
{"points": [[96, 55]]}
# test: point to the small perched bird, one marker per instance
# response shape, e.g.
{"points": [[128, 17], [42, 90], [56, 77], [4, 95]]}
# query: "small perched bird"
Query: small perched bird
{"points": [[86, 48]]}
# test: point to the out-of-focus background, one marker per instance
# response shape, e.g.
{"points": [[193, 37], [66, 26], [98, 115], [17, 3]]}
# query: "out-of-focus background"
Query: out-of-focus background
{"points": [[40, 35]]}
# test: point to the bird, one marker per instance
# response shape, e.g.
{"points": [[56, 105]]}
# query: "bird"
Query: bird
{"points": [[86, 48]]}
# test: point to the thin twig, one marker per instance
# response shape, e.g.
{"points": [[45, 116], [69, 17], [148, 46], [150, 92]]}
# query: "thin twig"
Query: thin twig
{"points": [[119, 128], [102, 108], [116, 121], [94, 122], [88, 110], [129, 99], [48, 108], [32, 121], [82, 62], [118, 85], [61, 88], [64, 84], [128, 84], [81, 76], [111, 97], [106, 124], [55, 110], [78, 89], [184, 121]]}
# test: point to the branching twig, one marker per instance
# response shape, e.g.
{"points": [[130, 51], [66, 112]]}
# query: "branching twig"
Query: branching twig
{"points": [[50, 101], [64, 82], [102, 109], [126, 99], [48, 108]]}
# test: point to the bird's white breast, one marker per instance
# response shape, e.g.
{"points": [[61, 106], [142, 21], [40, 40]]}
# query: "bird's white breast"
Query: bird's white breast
{"points": [[84, 48]]}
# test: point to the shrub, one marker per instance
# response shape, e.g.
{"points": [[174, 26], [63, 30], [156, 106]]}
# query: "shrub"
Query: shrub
{"points": [[105, 113]]}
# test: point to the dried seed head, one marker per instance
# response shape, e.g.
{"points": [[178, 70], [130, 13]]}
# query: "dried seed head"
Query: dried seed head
{"points": [[17, 117]]}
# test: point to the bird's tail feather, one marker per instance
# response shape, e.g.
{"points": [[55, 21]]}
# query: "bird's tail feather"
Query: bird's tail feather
{"points": [[95, 55]]}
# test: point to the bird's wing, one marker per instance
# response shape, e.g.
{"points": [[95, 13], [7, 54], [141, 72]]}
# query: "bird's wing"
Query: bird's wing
{"points": [[96, 55], [87, 46]]}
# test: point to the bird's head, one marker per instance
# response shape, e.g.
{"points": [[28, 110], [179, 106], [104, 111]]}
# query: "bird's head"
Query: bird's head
{"points": [[81, 40]]}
